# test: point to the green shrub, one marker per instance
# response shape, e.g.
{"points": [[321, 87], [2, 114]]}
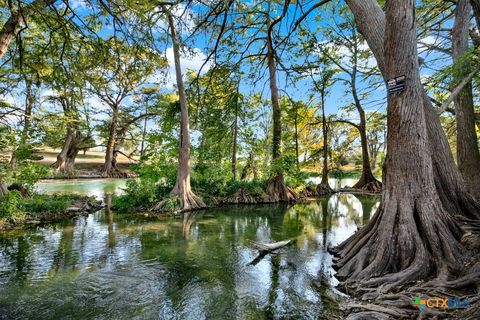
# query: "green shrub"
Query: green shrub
{"points": [[255, 187], [11, 209], [171, 204], [50, 204], [141, 194]]}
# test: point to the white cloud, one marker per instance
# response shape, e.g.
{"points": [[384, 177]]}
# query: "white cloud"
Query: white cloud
{"points": [[78, 4]]}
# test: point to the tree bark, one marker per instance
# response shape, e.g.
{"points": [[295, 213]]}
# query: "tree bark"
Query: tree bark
{"points": [[182, 188], [3, 189], [66, 158], [60, 163], [468, 155], [144, 134], [297, 155], [29, 102], [412, 236], [371, 23], [107, 170]]}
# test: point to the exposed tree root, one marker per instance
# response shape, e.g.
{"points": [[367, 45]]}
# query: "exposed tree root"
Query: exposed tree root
{"points": [[278, 191], [117, 173], [308, 192], [373, 186], [242, 196], [182, 201], [375, 312], [323, 189], [368, 183], [368, 315], [414, 248], [20, 188], [405, 241]]}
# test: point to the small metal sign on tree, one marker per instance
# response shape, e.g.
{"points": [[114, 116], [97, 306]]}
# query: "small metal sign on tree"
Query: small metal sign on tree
{"points": [[396, 85]]}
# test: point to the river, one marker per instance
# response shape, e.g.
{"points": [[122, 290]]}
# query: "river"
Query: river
{"points": [[111, 265]]}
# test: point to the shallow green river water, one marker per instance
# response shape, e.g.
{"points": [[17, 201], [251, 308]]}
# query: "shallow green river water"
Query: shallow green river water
{"points": [[202, 266]]}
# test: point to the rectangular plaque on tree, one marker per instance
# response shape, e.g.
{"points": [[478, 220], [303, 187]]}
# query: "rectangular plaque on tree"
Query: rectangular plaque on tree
{"points": [[396, 85]]}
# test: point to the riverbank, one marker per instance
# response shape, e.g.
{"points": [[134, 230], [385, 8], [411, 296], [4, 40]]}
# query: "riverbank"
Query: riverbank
{"points": [[241, 197], [17, 212]]}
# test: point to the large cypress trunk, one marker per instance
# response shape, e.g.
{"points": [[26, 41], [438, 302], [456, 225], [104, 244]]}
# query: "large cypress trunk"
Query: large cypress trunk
{"points": [[62, 155], [72, 154], [108, 168], [468, 156], [412, 236], [324, 186], [371, 23], [276, 189], [66, 157], [182, 188], [235, 137]]}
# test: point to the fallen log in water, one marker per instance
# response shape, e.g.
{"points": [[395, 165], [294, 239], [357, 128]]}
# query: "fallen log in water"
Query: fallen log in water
{"points": [[268, 247]]}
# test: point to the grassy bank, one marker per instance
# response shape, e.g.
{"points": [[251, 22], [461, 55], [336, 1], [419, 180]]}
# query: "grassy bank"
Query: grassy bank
{"points": [[16, 210]]}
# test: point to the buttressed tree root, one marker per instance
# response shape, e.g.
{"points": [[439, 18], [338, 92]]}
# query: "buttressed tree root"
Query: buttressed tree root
{"points": [[278, 191]]}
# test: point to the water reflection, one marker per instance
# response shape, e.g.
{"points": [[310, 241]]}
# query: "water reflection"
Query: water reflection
{"points": [[197, 267], [89, 187]]}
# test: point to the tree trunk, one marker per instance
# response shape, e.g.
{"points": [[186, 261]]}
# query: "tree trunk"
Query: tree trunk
{"points": [[144, 134], [412, 236], [110, 150], [29, 102], [182, 188], [276, 189], [66, 158], [468, 156], [72, 153], [297, 155], [62, 155], [324, 186], [3, 189], [235, 137], [367, 181], [30, 96], [371, 23], [373, 149]]}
